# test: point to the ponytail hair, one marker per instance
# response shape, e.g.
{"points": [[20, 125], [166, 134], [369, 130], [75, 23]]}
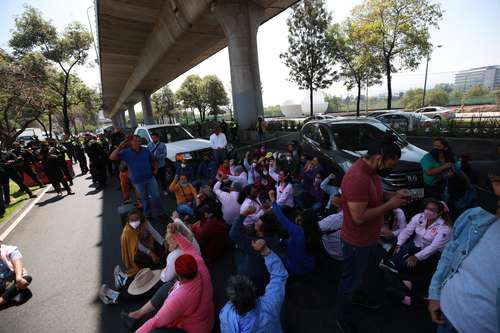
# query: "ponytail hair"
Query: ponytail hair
{"points": [[443, 210]]}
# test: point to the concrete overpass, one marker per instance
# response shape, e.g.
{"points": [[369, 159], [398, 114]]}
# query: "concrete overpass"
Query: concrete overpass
{"points": [[144, 44]]}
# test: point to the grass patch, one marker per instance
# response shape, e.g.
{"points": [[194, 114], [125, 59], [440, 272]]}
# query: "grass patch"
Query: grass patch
{"points": [[16, 200]]}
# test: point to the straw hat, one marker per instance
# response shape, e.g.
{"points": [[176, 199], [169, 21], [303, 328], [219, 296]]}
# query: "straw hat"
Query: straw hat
{"points": [[144, 280]]}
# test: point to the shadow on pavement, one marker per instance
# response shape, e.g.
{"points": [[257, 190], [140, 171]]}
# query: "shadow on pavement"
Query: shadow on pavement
{"points": [[50, 200]]}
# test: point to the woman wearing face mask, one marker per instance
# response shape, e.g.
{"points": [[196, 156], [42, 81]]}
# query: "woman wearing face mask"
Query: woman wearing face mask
{"points": [[437, 165], [284, 187], [431, 231], [141, 247]]}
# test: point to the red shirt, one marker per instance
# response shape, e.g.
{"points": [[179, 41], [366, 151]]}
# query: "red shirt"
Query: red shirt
{"points": [[224, 170], [361, 184]]}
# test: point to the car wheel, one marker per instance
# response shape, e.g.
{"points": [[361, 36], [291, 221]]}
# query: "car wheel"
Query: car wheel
{"points": [[438, 118]]}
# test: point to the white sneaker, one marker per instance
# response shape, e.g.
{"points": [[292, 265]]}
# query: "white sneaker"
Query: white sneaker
{"points": [[107, 295]]}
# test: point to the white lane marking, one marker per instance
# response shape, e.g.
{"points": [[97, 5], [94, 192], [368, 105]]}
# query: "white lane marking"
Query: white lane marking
{"points": [[24, 213]]}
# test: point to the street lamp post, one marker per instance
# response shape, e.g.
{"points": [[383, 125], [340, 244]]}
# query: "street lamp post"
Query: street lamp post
{"points": [[426, 70]]}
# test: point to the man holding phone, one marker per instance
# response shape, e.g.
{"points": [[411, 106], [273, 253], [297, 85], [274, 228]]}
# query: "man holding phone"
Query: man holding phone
{"points": [[142, 169]]}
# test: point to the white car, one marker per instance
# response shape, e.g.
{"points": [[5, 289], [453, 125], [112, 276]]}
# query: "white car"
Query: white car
{"points": [[408, 121], [180, 143], [437, 112]]}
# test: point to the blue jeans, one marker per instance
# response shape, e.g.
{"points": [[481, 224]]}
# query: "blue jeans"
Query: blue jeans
{"points": [[149, 193], [447, 327], [359, 273], [407, 250]]}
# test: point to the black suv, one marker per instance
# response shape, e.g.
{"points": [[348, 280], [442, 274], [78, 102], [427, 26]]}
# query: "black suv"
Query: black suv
{"points": [[339, 142]]}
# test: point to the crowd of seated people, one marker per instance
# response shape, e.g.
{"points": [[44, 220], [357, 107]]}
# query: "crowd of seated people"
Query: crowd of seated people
{"points": [[276, 214]]}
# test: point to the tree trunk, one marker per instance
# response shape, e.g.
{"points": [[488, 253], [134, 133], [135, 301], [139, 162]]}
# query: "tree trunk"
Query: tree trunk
{"points": [[311, 100], [43, 126], [359, 98], [50, 124], [194, 116], [389, 84], [65, 106]]}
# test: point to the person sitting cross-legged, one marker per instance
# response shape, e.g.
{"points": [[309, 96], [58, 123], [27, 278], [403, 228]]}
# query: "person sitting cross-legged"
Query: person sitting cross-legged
{"points": [[185, 193], [245, 312], [13, 276], [188, 306]]}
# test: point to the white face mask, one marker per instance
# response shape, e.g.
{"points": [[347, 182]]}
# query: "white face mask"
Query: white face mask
{"points": [[134, 224], [264, 172]]}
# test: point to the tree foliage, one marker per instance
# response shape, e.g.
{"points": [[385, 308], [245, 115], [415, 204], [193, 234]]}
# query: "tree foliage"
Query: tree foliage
{"points": [[358, 66], [477, 90], [215, 94], [23, 97], [165, 104], [396, 31], [309, 54], [192, 96], [32, 33], [412, 99]]}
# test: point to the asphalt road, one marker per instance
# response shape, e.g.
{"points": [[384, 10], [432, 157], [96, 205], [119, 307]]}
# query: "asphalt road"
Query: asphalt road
{"points": [[71, 244]]}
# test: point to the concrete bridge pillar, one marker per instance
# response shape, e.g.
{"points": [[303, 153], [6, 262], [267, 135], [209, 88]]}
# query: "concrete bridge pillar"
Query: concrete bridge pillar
{"points": [[131, 115], [147, 110], [240, 21], [116, 121], [123, 120]]}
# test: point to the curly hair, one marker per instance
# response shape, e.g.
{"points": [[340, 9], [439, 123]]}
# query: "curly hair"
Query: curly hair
{"points": [[241, 293]]}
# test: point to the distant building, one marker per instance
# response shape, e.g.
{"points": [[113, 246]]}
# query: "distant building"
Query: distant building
{"points": [[488, 77]]}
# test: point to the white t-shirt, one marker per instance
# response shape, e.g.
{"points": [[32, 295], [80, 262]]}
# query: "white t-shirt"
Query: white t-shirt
{"points": [[218, 141]]}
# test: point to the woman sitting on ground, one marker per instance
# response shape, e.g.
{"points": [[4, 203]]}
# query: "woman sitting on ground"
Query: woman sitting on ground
{"points": [[284, 187], [250, 197], [13, 277], [211, 233], [304, 239], [394, 224], [431, 229], [188, 305], [141, 246]]}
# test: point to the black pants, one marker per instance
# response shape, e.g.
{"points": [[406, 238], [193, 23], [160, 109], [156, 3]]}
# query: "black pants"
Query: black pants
{"points": [[65, 169], [16, 179], [82, 160], [161, 178], [3, 206], [360, 275], [143, 260], [8, 288], [56, 178]]}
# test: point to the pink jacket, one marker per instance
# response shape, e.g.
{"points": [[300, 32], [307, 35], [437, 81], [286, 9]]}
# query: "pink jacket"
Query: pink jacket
{"points": [[430, 240], [190, 305]]}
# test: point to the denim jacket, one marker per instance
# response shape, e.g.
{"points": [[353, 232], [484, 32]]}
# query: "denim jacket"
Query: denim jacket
{"points": [[467, 232]]}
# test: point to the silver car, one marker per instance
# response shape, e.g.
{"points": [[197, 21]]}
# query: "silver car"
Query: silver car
{"points": [[437, 112]]}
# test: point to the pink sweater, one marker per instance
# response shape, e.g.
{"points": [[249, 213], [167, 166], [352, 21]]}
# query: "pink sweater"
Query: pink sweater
{"points": [[190, 305]]}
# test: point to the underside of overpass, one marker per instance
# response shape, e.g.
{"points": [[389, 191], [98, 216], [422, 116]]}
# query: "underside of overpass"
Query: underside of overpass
{"points": [[144, 44]]}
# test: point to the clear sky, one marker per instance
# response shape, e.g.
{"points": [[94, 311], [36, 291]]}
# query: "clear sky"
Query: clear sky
{"points": [[469, 35]]}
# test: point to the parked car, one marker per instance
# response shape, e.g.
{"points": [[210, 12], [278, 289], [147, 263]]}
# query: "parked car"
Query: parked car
{"points": [[181, 144], [29, 135], [437, 112], [407, 121], [338, 143], [380, 112], [319, 117]]}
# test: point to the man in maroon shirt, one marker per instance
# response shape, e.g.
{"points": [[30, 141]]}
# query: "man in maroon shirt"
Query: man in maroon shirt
{"points": [[364, 203]]}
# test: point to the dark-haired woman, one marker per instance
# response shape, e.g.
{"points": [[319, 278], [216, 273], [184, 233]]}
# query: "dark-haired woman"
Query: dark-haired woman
{"points": [[304, 239], [249, 197], [437, 165], [284, 187]]}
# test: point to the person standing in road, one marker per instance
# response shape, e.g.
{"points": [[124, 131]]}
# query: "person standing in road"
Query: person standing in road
{"points": [[218, 142], [24, 163], [52, 168], [8, 162], [364, 207], [159, 151], [261, 128], [142, 168]]}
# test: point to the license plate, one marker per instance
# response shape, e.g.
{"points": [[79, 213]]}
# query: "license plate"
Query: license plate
{"points": [[416, 193]]}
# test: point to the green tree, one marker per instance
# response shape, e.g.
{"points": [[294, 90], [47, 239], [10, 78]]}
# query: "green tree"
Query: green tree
{"points": [[66, 50], [396, 31], [309, 55], [165, 104], [215, 94], [23, 97], [447, 87], [437, 97], [358, 66], [412, 99], [478, 90], [192, 95]]}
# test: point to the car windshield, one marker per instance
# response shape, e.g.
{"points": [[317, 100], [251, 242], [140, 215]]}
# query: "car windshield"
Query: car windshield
{"points": [[356, 137], [171, 133]]}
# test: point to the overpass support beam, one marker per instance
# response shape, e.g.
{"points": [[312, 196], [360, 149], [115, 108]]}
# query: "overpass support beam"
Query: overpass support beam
{"points": [[116, 121], [131, 115], [123, 120], [147, 110], [240, 21]]}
